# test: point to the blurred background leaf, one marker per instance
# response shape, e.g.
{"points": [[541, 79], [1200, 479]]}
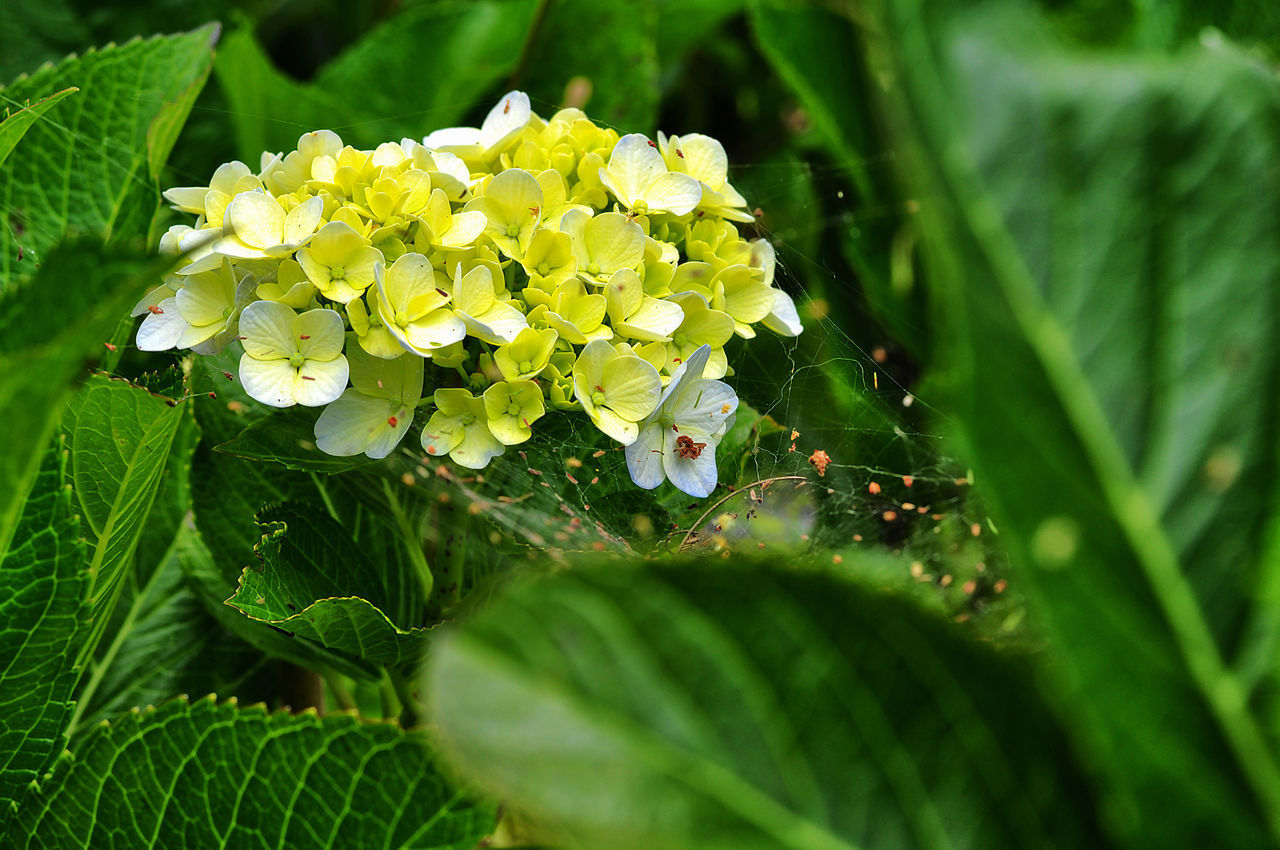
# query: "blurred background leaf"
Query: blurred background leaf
{"points": [[1104, 243], [749, 707]]}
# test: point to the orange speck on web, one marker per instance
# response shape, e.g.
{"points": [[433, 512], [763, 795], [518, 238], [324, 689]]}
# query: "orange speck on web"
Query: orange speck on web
{"points": [[836, 559], [820, 461], [975, 529], [889, 516], [392, 421], [873, 488], [907, 480]]}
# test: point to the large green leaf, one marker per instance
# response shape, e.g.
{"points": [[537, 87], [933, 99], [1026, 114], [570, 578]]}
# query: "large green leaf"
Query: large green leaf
{"points": [[701, 707], [315, 583], [43, 587], [48, 330], [119, 436], [1105, 244], [206, 775], [94, 169]]}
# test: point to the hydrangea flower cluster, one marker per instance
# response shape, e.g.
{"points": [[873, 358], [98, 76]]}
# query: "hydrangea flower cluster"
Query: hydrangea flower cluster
{"points": [[533, 262]]}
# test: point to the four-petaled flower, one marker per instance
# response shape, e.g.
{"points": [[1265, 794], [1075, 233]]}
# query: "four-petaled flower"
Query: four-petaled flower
{"points": [[678, 440]]}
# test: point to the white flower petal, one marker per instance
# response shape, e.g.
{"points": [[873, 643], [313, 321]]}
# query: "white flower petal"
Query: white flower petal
{"points": [[303, 220], [323, 332], [634, 164], [678, 194], [358, 423], [507, 118], [256, 219], [268, 381], [161, 331], [695, 476], [267, 330], [783, 319], [644, 457], [320, 382]]}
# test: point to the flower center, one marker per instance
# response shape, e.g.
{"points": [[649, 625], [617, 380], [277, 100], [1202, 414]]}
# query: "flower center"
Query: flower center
{"points": [[513, 230], [594, 268], [544, 269], [337, 273], [513, 409], [681, 340], [597, 398], [296, 360], [401, 318], [524, 366]]}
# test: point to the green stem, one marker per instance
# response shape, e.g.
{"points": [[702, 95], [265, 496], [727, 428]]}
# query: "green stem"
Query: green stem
{"points": [[338, 689], [387, 697], [324, 496], [412, 540], [408, 703], [104, 664]]}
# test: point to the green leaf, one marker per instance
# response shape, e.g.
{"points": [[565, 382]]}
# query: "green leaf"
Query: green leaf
{"points": [[750, 708], [48, 330], [119, 436], [614, 48], [269, 111], [206, 579], [316, 584], [288, 437], [43, 586], [166, 643], [1105, 245], [474, 46], [17, 123], [383, 87], [94, 169], [206, 775], [36, 31], [809, 47]]}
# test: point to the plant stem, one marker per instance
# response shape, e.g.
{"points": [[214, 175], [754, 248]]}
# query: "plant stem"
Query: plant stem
{"points": [[324, 496], [412, 540], [408, 703], [338, 689]]}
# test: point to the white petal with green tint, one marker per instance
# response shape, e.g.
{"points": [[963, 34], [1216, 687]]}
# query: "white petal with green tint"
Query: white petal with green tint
{"points": [[783, 319], [268, 381], [266, 329], [359, 423], [320, 381], [162, 328], [256, 219]]}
